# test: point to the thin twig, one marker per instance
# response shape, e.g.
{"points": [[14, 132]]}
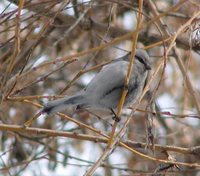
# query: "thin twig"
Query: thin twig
{"points": [[127, 144]]}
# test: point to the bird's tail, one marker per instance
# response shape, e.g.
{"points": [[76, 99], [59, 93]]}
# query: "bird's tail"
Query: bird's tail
{"points": [[59, 105]]}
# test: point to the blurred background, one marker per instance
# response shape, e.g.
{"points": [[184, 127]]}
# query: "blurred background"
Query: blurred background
{"points": [[53, 48]]}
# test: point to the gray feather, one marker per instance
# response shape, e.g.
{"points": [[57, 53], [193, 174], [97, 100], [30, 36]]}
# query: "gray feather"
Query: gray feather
{"points": [[59, 105], [104, 90]]}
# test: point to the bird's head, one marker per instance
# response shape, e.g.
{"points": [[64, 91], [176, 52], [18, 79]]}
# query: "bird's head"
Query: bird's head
{"points": [[143, 57]]}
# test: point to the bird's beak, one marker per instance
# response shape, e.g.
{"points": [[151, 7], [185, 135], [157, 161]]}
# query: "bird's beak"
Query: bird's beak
{"points": [[147, 66]]}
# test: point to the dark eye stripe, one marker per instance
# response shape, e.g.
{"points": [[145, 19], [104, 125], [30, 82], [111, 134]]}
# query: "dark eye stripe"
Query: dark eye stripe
{"points": [[141, 60]]}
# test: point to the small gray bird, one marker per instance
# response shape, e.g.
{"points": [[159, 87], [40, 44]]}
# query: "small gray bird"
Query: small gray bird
{"points": [[105, 89]]}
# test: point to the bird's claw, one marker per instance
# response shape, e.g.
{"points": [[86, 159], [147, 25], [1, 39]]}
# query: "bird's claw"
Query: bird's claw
{"points": [[116, 118]]}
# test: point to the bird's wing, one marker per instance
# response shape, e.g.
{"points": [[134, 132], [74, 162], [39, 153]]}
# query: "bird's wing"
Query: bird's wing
{"points": [[110, 78]]}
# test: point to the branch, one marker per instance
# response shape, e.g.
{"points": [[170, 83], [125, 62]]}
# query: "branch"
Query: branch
{"points": [[97, 139]]}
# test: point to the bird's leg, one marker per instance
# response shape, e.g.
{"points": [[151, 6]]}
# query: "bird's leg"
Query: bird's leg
{"points": [[78, 107], [115, 117]]}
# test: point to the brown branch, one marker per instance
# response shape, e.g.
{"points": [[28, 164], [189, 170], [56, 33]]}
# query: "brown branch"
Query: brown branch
{"points": [[97, 139], [147, 38], [114, 139]]}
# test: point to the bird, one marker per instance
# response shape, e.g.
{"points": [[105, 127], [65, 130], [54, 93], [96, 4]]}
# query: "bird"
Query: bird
{"points": [[105, 89]]}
